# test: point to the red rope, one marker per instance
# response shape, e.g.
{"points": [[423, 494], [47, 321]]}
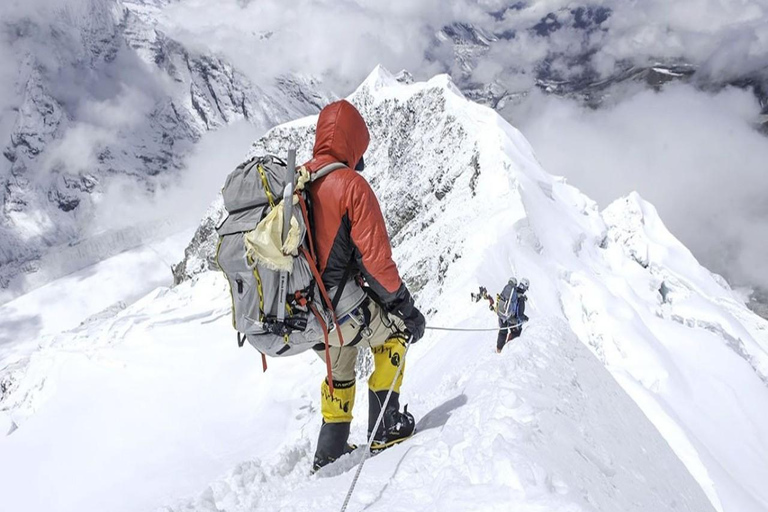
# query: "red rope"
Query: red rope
{"points": [[311, 258], [327, 348], [323, 292]]}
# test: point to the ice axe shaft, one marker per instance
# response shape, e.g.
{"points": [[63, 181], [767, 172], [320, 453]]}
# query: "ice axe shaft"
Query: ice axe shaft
{"points": [[290, 183]]}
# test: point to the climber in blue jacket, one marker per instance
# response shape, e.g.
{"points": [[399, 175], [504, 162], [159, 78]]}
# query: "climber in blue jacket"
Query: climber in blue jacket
{"points": [[510, 308]]}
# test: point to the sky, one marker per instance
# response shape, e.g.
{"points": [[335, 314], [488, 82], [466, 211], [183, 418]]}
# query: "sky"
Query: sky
{"points": [[695, 154]]}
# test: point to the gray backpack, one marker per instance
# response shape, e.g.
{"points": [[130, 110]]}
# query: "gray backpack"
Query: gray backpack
{"points": [[279, 303], [506, 303]]}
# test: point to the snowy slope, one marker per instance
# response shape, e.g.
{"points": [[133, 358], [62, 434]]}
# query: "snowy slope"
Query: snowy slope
{"points": [[155, 405], [32, 321], [135, 411]]}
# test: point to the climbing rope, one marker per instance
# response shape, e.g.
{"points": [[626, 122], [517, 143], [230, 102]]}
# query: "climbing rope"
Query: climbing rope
{"points": [[474, 330], [367, 451]]}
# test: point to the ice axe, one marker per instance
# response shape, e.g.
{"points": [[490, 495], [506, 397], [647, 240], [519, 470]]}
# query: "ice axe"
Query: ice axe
{"points": [[290, 184]]}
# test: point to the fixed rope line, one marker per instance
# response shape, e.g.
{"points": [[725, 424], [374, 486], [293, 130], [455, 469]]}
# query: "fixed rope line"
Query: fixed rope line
{"points": [[367, 451], [431, 328]]}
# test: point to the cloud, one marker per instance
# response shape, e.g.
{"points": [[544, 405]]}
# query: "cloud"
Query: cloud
{"points": [[701, 146], [341, 41], [100, 124], [183, 198], [695, 155]]}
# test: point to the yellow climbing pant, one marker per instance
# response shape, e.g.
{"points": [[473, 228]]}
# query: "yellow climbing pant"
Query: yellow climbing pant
{"points": [[337, 408], [386, 360]]}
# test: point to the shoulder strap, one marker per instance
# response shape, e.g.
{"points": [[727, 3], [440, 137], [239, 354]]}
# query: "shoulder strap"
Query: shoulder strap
{"points": [[344, 278], [327, 170]]}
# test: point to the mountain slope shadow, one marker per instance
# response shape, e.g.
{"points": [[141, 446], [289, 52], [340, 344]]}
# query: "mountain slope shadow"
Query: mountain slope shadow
{"points": [[438, 416]]}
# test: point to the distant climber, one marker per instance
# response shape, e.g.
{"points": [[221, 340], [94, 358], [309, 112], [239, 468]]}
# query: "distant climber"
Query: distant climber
{"points": [[373, 306], [510, 308]]}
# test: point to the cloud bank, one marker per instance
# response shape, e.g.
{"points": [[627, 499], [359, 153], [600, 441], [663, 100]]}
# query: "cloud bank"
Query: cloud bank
{"points": [[695, 155], [182, 198], [343, 40]]}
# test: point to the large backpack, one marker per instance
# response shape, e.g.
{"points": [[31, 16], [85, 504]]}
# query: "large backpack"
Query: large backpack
{"points": [[506, 303], [279, 303]]}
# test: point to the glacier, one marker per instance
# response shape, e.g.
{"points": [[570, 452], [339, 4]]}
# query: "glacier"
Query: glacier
{"points": [[639, 384]]}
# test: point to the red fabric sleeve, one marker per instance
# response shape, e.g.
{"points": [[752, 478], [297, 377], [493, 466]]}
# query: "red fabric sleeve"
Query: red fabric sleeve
{"points": [[369, 234]]}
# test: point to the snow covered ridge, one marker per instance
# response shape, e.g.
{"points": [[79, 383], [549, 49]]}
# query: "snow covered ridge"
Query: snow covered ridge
{"points": [[549, 434], [154, 406], [103, 94], [467, 203]]}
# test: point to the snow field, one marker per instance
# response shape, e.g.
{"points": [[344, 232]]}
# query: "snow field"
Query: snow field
{"points": [[525, 431], [66, 302], [158, 401]]}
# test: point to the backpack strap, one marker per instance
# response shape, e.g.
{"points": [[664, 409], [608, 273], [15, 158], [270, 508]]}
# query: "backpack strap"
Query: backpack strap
{"points": [[327, 170], [328, 370], [311, 258], [343, 283], [323, 292]]}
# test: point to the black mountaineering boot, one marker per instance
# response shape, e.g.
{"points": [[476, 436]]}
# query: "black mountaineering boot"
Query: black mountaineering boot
{"points": [[395, 426], [331, 444]]}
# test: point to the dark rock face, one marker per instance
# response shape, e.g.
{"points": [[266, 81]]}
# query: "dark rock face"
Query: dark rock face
{"points": [[111, 96], [566, 70], [421, 158]]}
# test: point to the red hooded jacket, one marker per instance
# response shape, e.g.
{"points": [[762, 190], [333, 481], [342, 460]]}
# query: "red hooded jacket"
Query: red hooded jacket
{"points": [[347, 219]]}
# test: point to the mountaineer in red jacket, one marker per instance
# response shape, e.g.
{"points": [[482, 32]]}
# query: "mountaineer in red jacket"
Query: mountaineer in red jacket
{"points": [[373, 305]]}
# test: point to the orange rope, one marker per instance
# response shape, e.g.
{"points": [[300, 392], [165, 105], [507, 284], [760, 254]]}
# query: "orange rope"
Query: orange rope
{"points": [[327, 348]]}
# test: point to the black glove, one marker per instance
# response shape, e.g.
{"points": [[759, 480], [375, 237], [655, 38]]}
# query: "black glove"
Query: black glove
{"points": [[404, 308]]}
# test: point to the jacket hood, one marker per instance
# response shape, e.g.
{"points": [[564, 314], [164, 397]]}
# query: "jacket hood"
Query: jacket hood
{"points": [[341, 136]]}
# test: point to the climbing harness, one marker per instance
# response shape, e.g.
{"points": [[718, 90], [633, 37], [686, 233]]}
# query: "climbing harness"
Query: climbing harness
{"points": [[367, 451]]}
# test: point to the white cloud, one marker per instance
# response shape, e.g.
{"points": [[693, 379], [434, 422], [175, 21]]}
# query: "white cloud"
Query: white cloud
{"points": [[695, 155], [342, 41], [339, 40], [126, 202], [125, 110], [701, 147]]}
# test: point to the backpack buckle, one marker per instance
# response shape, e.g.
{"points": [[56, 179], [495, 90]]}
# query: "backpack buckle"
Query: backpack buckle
{"points": [[286, 327], [276, 328], [299, 299], [358, 317]]}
